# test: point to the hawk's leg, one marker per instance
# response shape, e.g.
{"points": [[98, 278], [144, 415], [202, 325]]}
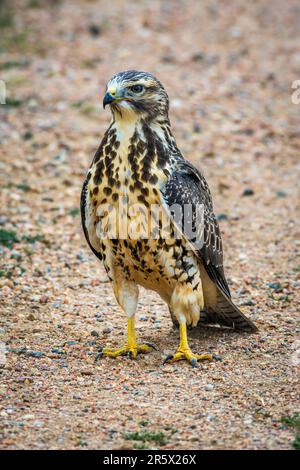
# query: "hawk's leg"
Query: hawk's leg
{"points": [[185, 306], [184, 351], [127, 295], [131, 347]]}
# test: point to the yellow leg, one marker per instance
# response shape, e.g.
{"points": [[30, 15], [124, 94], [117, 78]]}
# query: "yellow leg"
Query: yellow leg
{"points": [[184, 352], [131, 348]]}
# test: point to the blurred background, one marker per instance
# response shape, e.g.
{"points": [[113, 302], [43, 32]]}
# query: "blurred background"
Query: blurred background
{"points": [[228, 67]]}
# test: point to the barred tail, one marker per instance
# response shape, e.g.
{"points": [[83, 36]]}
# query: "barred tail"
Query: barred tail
{"points": [[228, 314]]}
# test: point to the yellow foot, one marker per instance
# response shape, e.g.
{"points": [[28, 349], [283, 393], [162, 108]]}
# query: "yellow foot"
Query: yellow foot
{"points": [[128, 350], [186, 354]]}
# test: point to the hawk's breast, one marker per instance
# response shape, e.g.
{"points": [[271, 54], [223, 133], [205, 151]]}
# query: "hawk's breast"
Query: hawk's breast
{"points": [[124, 216]]}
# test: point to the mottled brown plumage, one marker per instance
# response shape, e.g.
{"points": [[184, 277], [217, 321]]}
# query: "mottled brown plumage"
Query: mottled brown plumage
{"points": [[138, 163]]}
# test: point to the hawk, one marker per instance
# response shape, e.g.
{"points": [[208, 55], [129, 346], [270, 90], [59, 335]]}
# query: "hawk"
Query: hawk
{"points": [[136, 168]]}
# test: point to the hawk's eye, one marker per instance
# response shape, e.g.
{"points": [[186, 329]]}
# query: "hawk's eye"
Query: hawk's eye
{"points": [[137, 88]]}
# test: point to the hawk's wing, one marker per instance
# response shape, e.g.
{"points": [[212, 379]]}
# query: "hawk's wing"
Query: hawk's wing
{"points": [[186, 186]]}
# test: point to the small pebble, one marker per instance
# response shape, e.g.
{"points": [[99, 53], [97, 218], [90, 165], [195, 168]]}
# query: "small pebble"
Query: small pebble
{"points": [[275, 285], [94, 30], [208, 387], [106, 331], [31, 317], [87, 372], [56, 351], [34, 354], [246, 303], [248, 192], [222, 217]]}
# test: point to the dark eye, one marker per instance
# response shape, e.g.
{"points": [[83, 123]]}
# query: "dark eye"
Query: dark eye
{"points": [[137, 88]]}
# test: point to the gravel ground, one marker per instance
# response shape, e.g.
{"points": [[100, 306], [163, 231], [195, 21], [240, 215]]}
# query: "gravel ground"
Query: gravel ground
{"points": [[228, 70]]}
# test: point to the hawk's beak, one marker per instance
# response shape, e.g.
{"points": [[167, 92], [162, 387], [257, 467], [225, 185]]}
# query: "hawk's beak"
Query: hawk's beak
{"points": [[108, 98]]}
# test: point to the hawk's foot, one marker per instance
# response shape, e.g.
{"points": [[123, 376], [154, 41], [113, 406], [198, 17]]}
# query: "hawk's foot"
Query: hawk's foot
{"points": [[131, 347], [131, 350], [186, 354]]}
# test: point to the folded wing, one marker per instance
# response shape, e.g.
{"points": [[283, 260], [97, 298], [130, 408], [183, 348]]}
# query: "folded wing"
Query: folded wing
{"points": [[187, 188]]}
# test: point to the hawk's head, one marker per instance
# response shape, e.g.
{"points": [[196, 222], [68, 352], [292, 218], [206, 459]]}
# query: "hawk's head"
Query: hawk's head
{"points": [[136, 93]]}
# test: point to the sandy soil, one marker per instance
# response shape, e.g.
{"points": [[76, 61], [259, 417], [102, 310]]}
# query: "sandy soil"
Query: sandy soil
{"points": [[228, 70]]}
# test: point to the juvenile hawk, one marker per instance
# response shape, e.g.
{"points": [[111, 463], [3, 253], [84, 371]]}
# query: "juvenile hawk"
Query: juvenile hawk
{"points": [[138, 167]]}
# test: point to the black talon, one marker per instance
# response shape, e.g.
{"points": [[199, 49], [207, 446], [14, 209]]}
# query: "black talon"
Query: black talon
{"points": [[216, 358], [168, 358], [194, 362], [130, 355], [98, 356], [151, 345]]}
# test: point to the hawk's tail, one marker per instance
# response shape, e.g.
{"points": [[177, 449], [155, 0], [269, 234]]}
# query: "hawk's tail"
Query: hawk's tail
{"points": [[227, 314]]}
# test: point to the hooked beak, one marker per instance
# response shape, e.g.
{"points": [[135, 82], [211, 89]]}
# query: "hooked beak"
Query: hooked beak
{"points": [[108, 99]]}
